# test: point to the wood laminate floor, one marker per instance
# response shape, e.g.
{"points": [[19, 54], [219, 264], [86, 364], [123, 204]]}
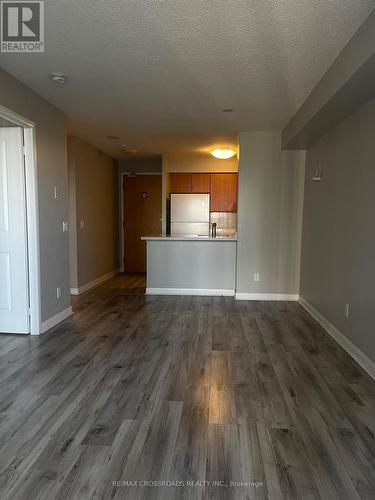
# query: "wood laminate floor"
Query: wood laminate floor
{"points": [[197, 391]]}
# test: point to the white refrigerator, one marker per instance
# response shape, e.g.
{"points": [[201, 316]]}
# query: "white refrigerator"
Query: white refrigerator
{"points": [[190, 214]]}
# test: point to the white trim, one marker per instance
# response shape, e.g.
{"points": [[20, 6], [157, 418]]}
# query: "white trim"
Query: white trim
{"points": [[360, 357], [31, 186], [55, 320], [214, 292], [267, 296], [94, 283], [33, 231], [14, 117]]}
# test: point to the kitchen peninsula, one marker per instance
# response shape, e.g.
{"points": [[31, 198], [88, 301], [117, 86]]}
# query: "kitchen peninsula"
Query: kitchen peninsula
{"points": [[191, 265]]}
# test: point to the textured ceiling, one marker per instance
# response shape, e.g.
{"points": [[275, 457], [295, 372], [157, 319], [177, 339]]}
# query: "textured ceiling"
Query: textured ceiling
{"points": [[157, 73]]}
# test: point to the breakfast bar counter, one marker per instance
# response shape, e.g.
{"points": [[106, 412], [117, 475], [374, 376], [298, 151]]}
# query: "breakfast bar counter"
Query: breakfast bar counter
{"points": [[191, 265]]}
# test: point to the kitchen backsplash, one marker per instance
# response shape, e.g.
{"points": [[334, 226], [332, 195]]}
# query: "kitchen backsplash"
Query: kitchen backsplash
{"points": [[226, 223]]}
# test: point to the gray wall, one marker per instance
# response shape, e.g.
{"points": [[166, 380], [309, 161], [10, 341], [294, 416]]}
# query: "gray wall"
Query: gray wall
{"points": [[338, 246], [93, 199], [51, 172], [191, 264], [270, 200], [348, 81]]}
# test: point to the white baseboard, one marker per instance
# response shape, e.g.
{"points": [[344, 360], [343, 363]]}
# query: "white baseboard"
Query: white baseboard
{"points": [[94, 283], [345, 343], [55, 320], [190, 291], [267, 296]]}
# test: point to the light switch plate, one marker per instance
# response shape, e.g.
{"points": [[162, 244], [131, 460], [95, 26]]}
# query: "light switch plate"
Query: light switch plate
{"points": [[65, 226]]}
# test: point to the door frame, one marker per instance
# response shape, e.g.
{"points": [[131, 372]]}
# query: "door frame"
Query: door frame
{"points": [[121, 218], [32, 220]]}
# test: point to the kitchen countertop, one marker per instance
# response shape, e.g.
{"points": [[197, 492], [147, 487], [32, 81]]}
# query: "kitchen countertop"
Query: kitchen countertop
{"points": [[167, 237]]}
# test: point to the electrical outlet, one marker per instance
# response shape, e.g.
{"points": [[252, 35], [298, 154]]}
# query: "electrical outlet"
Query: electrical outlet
{"points": [[256, 277], [58, 292], [346, 310], [65, 227]]}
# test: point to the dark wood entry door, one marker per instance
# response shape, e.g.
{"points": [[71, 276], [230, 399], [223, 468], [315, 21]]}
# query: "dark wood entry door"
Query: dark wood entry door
{"points": [[142, 217]]}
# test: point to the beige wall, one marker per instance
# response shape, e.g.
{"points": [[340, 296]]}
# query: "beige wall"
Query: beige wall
{"points": [[140, 165], [50, 132], [270, 201], [200, 163], [93, 178], [191, 163]]}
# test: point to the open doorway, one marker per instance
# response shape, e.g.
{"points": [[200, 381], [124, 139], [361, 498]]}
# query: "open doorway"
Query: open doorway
{"points": [[141, 214], [19, 243]]}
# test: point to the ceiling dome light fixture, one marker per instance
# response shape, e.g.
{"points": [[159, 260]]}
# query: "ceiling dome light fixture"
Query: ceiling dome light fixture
{"points": [[59, 78], [223, 154]]}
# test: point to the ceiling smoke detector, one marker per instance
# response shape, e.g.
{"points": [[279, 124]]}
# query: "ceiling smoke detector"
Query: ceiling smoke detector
{"points": [[59, 78]]}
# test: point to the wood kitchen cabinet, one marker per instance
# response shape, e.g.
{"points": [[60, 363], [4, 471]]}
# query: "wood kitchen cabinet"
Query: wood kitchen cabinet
{"points": [[190, 183], [223, 193], [222, 187], [180, 183], [200, 183]]}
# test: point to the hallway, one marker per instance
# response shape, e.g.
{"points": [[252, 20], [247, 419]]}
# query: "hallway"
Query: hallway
{"points": [[183, 389]]}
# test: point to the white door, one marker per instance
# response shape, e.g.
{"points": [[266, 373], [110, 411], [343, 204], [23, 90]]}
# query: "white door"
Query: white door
{"points": [[14, 302]]}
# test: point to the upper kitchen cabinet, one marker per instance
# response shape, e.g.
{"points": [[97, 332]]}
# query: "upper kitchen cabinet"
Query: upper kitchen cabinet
{"points": [[200, 183], [180, 183], [222, 187], [190, 183], [223, 192]]}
